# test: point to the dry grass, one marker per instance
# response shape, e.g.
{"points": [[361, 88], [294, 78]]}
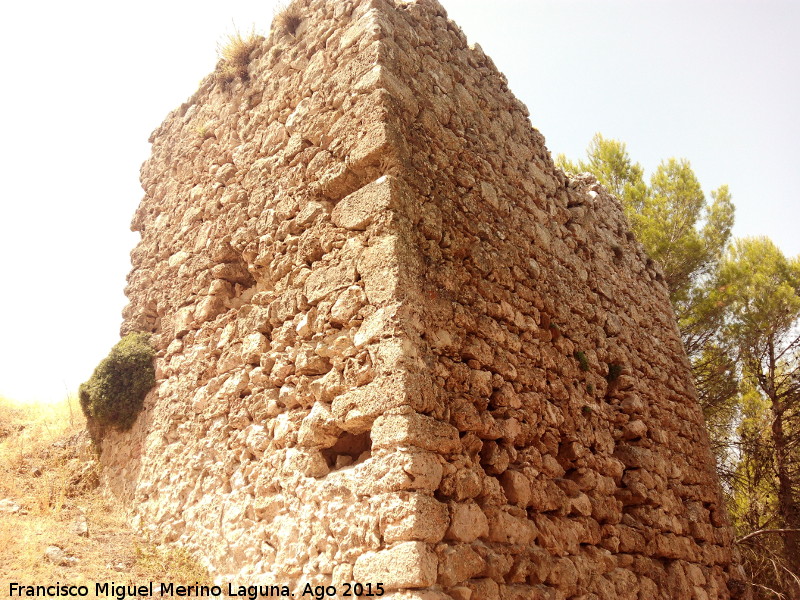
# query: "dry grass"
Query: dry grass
{"points": [[31, 467], [48, 469], [234, 56], [180, 566], [205, 131], [287, 19]]}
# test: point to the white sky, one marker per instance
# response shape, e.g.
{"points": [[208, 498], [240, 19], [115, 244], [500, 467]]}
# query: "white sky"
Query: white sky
{"points": [[84, 83]]}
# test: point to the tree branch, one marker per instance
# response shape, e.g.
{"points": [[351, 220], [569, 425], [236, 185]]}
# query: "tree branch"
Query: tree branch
{"points": [[765, 531]]}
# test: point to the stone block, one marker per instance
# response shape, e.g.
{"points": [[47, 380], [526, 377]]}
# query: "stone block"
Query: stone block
{"points": [[379, 270], [505, 528], [325, 280], [422, 431], [184, 321], [378, 142], [347, 304], [406, 565], [357, 210], [404, 470], [467, 522], [356, 409], [458, 563], [485, 589], [318, 428], [253, 346], [409, 516], [517, 487]]}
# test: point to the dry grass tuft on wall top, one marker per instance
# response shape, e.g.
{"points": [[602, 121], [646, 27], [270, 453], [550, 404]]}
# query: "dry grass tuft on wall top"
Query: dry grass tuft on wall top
{"points": [[235, 56], [287, 20]]}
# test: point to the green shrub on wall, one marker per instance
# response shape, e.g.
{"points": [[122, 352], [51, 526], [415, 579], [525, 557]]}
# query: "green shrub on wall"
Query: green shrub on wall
{"points": [[114, 394]]}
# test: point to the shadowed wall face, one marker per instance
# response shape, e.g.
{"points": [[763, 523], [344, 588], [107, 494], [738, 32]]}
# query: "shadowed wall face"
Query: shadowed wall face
{"points": [[397, 345]]}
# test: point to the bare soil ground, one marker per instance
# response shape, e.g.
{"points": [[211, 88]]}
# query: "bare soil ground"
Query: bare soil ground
{"points": [[56, 523]]}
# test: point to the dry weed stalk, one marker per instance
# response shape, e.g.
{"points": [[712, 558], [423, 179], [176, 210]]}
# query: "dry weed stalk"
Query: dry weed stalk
{"points": [[768, 572]]}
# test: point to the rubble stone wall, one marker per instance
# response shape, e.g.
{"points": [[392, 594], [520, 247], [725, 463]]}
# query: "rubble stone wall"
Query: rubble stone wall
{"points": [[397, 345], [584, 463]]}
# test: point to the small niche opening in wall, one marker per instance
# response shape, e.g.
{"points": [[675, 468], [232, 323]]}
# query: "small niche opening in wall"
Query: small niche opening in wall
{"points": [[348, 450]]}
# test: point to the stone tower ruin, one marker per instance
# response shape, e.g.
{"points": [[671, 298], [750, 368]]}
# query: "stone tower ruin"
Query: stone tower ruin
{"points": [[396, 345]]}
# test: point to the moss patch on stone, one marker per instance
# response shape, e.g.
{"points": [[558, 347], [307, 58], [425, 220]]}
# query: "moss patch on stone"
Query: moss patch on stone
{"points": [[614, 371], [583, 361]]}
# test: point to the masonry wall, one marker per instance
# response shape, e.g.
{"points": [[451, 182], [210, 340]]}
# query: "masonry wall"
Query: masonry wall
{"points": [[256, 295], [584, 465], [397, 345]]}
